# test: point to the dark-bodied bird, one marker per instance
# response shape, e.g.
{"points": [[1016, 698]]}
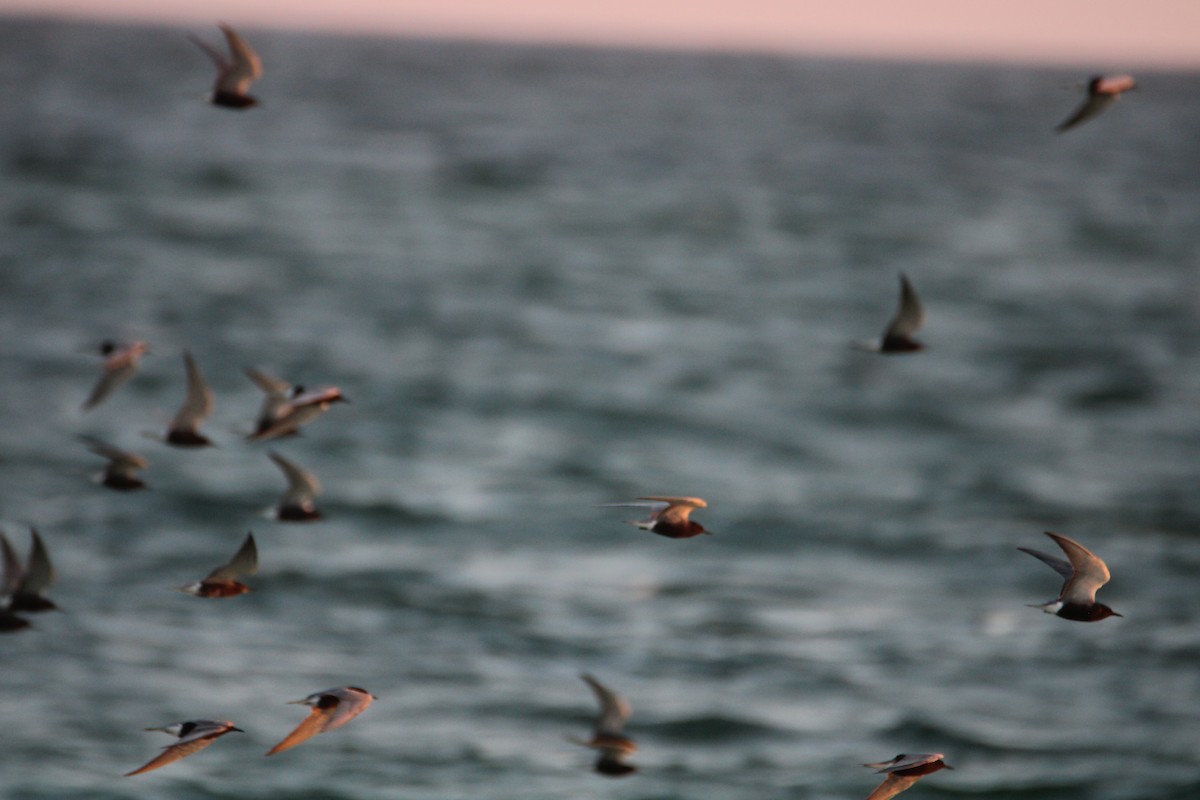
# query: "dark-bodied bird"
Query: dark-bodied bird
{"points": [[25, 586], [608, 732], [298, 410], [1083, 574], [223, 581], [121, 471], [184, 430], [298, 503], [235, 73], [910, 317], [668, 516], [120, 362], [331, 709], [193, 735], [903, 771], [1102, 92]]}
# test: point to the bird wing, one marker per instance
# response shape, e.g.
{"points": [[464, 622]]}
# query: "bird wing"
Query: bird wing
{"points": [[173, 752], [246, 67], [112, 377], [216, 55], [316, 722], [302, 484], [39, 572], [1090, 571], [198, 403], [614, 710], [910, 314], [1060, 566], [1093, 105], [122, 459], [244, 562], [907, 761], [892, 785]]}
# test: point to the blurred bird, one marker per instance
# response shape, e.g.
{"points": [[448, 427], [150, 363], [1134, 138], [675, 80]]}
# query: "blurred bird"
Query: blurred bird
{"points": [[608, 736], [120, 362], [297, 410], [1083, 573], [1102, 92], [184, 430], [903, 771], [331, 709], [910, 317], [277, 392], [234, 74], [122, 465], [222, 581], [298, 503], [194, 736], [668, 516], [24, 586]]}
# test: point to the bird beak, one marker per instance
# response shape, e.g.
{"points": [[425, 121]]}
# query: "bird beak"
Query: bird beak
{"points": [[239, 730]]}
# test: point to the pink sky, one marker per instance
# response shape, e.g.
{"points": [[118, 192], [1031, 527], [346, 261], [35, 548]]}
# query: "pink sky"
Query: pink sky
{"points": [[1096, 34]]}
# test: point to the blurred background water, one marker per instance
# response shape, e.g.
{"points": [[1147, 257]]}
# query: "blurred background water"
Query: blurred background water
{"points": [[549, 278]]}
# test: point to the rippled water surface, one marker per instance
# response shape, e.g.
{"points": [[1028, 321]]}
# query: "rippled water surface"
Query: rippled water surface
{"points": [[552, 278]]}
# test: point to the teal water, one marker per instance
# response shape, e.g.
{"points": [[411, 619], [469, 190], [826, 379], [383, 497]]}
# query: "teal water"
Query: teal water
{"points": [[553, 278]]}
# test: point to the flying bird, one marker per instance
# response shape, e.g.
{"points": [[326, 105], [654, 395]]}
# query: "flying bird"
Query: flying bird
{"points": [[121, 471], [120, 363], [297, 410], [331, 709], [276, 394], [223, 581], [193, 735], [235, 73], [298, 503], [184, 430], [1102, 92], [608, 737], [903, 771], [668, 516], [1083, 573], [25, 586], [910, 317]]}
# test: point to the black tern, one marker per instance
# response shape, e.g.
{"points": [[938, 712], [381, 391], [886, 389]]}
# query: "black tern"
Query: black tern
{"points": [[235, 73], [331, 709], [903, 771], [1102, 92], [193, 735], [668, 516], [1083, 573], [608, 737]]}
